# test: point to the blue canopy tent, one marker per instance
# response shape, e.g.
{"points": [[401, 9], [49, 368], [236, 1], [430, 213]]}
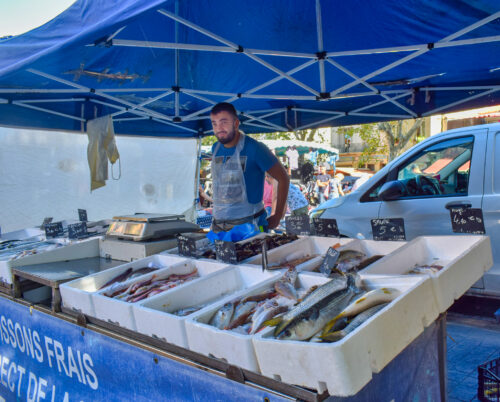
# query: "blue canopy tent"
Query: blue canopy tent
{"points": [[159, 66]]}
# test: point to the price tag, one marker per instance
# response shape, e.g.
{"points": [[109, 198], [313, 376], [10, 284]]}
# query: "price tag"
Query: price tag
{"points": [[467, 220], [298, 225], [225, 251], [331, 257], [46, 221], [77, 230], [186, 246], [82, 215], [54, 229], [325, 227], [388, 229]]}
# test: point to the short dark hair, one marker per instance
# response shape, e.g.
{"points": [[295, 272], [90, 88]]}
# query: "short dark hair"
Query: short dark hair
{"points": [[224, 107]]}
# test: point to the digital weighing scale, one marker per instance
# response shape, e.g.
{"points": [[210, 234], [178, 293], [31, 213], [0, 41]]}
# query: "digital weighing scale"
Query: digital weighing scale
{"points": [[140, 227]]}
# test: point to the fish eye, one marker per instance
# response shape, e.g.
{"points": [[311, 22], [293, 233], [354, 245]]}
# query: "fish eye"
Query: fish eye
{"points": [[288, 333]]}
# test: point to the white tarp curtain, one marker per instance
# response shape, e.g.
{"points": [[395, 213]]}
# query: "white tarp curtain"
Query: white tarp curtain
{"points": [[46, 174]]}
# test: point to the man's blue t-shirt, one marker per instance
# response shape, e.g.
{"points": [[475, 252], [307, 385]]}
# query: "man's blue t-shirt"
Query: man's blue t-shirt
{"points": [[256, 159]]}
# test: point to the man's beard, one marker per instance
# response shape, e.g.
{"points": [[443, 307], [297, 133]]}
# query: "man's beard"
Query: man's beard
{"points": [[229, 138]]}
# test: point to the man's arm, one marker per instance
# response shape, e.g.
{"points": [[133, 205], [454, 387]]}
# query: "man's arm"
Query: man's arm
{"points": [[278, 172]]}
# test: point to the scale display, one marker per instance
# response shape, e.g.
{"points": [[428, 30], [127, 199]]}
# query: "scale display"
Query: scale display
{"points": [[141, 227]]}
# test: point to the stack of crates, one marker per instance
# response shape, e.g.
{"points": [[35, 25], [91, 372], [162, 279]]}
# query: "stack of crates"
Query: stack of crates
{"points": [[488, 388]]}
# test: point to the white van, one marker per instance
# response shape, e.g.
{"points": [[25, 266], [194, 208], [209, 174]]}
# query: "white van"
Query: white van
{"points": [[456, 168]]}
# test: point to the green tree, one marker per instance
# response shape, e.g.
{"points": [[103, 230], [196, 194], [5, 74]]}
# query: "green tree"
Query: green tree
{"points": [[396, 138]]}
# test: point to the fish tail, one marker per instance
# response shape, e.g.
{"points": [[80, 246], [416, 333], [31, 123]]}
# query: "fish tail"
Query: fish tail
{"points": [[273, 322], [333, 336]]}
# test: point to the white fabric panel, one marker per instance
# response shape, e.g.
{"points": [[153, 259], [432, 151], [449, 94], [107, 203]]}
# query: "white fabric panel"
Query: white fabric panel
{"points": [[46, 173]]}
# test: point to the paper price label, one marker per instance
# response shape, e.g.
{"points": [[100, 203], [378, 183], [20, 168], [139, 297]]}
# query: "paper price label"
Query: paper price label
{"points": [[388, 229]]}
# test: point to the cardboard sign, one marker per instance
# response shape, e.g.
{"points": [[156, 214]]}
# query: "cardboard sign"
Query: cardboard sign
{"points": [[54, 229], [186, 246], [467, 220], [225, 251], [77, 230], [331, 257], [82, 215], [388, 229], [325, 227], [298, 225]]}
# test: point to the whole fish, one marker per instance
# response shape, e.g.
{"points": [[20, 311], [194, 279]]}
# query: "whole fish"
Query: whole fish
{"points": [[315, 318], [355, 323], [364, 302], [241, 314], [265, 312], [286, 289], [223, 316], [324, 291], [118, 278], [268, 294]]}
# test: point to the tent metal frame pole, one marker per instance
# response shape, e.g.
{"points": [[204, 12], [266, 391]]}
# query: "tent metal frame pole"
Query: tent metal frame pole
{"points": [[174, 125], [395, 116], [318, 111], [206, 48], [269, 124], [265, 115], [41, 109], [265, 110], [237, 48], [461, 101], [147, 102], [371, 87], [52, 100], [204, 92], [104, 95], [4, 100], [321, 62], [286, 97], [475, 88], [259, 125], [320, 122], [130, 119], [111, 90], [418, 53], [40, 91], [407, 93], [202, 98]]}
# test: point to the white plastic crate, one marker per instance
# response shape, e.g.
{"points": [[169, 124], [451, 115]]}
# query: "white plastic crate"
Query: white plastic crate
{"points": [[345, 366], [72, 250], [464, 260], [231, 346], [306, 246], [154, 316], [120, 312], [77, 294]]}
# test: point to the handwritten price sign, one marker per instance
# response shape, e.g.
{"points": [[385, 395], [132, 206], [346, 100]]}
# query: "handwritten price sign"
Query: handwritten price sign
{"points": [[388, 229], [467, 220]]}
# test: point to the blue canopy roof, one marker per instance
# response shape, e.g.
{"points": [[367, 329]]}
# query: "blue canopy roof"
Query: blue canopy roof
{"points": [[159, 66]]}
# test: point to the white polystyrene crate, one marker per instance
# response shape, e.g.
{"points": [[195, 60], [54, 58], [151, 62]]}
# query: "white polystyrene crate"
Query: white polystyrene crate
{"points": [[23, 234], [77, 294], [72, 250], [305, 246], [464, 260], [231, 346], [120, 312], [346, 366], [154, 316]]}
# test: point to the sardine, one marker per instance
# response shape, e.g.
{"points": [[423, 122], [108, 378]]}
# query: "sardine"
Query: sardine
{"points": [[222, 317], [355, 323], [305, 326], [366, 301]]}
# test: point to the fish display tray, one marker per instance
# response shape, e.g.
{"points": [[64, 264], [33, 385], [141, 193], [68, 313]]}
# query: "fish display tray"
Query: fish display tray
{"points": [[154, 316], [464, 260], [230, 346], [120, 312], [305, 246], [71, 251], [488, 381], [345, 366], [23, 234], [77, 295]]}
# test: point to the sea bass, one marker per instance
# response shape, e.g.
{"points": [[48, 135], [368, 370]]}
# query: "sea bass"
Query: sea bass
{"points": [[223, 316], [311, 319]]}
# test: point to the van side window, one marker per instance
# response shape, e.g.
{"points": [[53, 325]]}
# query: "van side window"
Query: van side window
{"points": [[442, 169], [372, 193]]}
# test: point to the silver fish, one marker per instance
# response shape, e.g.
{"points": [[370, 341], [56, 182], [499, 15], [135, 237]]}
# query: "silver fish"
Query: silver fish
{"points": [[223, 316], [266, 312], [355, 323], [241, 314]]}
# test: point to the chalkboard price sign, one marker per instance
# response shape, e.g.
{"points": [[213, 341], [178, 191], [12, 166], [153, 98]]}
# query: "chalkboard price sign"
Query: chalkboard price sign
{"points": [[325, 227], [54, 229], [331, 257], [46, 221], [77, 230], [225, 251], [186, 246], [388, 229], [298, 225], [82, 215], [467, 220]]}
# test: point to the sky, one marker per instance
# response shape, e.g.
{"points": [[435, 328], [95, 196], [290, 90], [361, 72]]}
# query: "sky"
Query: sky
{"points": [[19, 16]]}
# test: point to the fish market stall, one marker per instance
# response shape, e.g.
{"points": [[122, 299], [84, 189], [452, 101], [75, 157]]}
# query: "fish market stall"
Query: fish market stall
{"points": [[281, 332]]}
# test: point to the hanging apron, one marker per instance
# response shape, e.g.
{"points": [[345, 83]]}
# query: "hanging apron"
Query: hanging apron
{"points": [[230, 205]]}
